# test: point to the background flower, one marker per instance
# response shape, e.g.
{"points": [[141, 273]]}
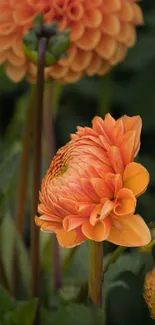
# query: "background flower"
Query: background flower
{"points": [[90, 189], [101, 32]]}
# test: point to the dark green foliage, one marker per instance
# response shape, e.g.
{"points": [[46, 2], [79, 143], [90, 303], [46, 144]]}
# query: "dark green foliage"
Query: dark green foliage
{"points": [[128, 89]]}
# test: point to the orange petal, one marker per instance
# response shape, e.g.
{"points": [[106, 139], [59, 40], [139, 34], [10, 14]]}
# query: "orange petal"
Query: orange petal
{"points": [[71, 222], [135, 124], [130, 232], [71, 238], [125, 204], [47, 226], [116, 160], [95, 215], [127, 147], [98, 232], [101, 188], [136, 178], [114, 181]]}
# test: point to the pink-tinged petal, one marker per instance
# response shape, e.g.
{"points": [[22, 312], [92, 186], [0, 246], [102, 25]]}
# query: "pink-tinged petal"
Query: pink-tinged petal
{"points": [[133, 123], [101, 188], [125, 203], [89, 190], [85, 209], [48, 226], [71, 222], [98, 126], [127, 147], [116, 159], [70, 205], [105, 143], [136, 178], [118, 132], [98, 232], [130, 232], [51, 218], [68, 239], [109, 124], [78, 192], [114, 181]]}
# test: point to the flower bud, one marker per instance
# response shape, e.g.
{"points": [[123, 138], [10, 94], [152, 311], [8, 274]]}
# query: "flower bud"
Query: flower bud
{"points": [[149, 291]]}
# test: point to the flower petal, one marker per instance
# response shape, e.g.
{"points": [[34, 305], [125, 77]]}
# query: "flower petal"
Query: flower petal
{"points": [[136, 178], [130, 232], [47, 226], [71, 238], [98, 232], [133, 123], [116, 159], [125, 203], [71, 222], [127, 147]]}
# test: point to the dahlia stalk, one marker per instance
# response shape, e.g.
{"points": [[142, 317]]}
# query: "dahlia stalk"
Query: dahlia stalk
{"points": [[37, 165], [96, 272], [90, 191]]}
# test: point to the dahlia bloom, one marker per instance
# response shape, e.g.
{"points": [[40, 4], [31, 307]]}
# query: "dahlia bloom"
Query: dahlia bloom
{"points": [[91, 186], [101, 33], [149, 291]]}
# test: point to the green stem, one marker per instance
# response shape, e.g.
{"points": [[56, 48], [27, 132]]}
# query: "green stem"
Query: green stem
{"points": [[38, 116], [96, 272], [83, 293], [49, 109]]}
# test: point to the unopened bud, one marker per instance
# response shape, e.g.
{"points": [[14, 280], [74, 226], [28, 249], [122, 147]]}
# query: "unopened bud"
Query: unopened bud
{"points": [[149, 292], [57, 42]]}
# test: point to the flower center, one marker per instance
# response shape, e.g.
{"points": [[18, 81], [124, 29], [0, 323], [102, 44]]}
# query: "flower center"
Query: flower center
{"points": [[59, 164]]}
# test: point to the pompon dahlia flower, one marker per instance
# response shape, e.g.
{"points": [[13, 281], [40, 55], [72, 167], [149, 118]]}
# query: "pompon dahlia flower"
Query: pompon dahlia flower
{"points": [[101, 32], [91, 187]]}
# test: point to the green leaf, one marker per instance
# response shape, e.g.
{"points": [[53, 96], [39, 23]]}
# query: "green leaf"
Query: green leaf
{"points": [[130, 307], [24, 313], [6, 302], [8, 230], [7, 170], [73, 314]]}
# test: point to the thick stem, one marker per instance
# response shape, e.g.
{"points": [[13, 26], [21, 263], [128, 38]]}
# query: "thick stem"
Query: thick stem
{"points": [[22, 189], [49, 103], [35, 263], [96, 272]]}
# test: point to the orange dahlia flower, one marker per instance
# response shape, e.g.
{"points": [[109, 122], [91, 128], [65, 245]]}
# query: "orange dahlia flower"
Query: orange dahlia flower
{"points": [[91, 187], [101, 32], [149, 291]]}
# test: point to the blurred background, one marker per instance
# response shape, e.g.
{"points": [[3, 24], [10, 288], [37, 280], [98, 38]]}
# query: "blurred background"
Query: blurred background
{"points": [[128, 89]]}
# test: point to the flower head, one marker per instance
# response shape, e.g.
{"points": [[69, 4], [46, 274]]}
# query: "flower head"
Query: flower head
{"points": [[101, 33], [90, 189], [149, 291]]}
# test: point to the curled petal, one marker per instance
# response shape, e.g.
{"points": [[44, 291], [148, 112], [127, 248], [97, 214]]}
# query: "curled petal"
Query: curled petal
{"points": [[71, 222], [48, 226], [125, 203], [98, 232], [71, 238], [136, 178], [130, 232]]}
